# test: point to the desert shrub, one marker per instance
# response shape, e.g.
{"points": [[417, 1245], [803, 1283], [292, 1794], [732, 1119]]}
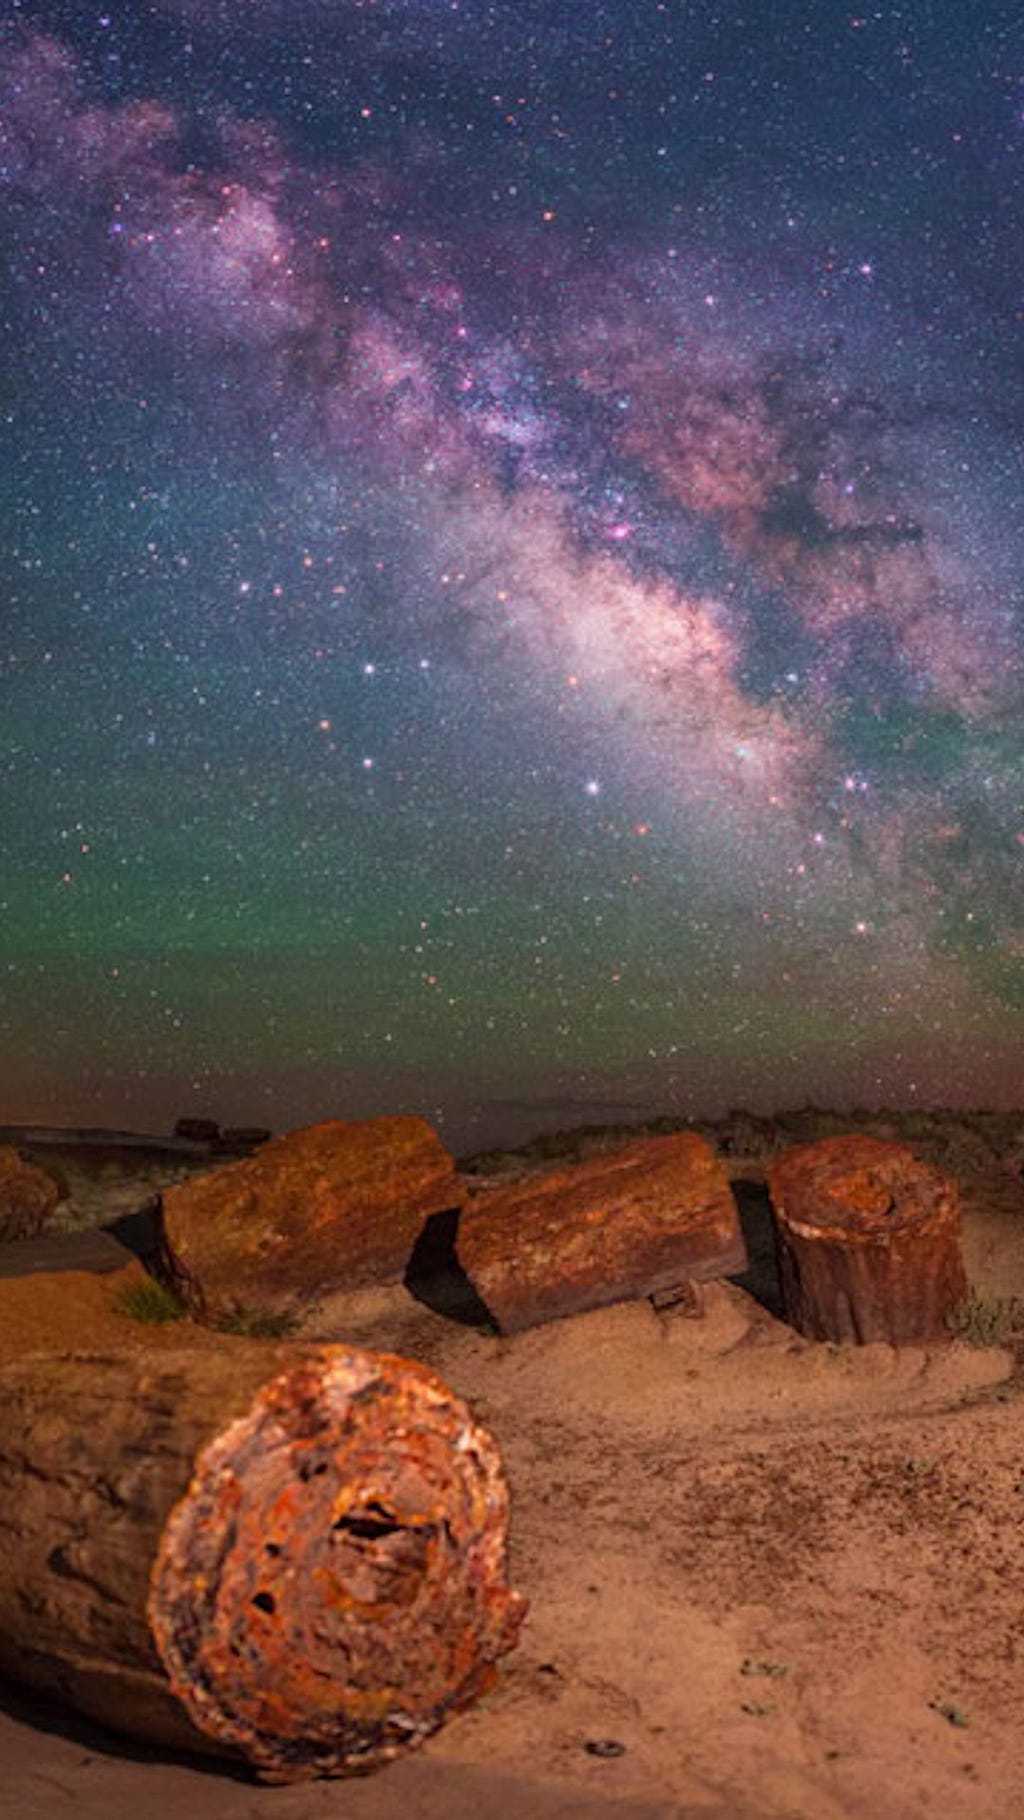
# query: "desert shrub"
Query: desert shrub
{"points": [[961, 1150], [148, 1301], [257, 1324], [987, 1320]]}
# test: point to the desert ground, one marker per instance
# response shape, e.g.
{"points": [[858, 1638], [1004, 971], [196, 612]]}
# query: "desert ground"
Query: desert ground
{"points": [[769, 1579]]}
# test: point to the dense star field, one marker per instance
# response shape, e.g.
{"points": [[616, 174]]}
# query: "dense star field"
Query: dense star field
{"points": [[512, 558]]}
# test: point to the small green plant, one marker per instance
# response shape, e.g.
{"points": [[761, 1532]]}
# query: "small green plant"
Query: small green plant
{"points": [[257, 1324], [149, 1301], [986, 1320]]}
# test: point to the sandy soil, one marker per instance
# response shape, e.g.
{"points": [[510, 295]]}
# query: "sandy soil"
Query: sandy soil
{"points": [[769, 1580]]}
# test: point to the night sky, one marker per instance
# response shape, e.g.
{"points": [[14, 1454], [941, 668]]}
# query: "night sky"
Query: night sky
{"points": [[512, 569]]}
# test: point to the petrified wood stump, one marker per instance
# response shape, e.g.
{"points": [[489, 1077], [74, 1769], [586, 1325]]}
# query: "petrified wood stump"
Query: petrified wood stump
{"points": [[869, 1242], [293, 1555], [629, 1223]]}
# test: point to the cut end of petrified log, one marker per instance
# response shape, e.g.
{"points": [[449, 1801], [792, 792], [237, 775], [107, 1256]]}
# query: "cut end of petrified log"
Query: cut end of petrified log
{"points": [[333, 1585], [861, 1188], [869, 1241]]}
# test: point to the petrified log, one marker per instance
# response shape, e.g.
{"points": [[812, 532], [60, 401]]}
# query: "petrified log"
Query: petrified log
{"points": [[294, 1555], [630, 1223], [28, 1196], [335, 1205], [869, 1242]]}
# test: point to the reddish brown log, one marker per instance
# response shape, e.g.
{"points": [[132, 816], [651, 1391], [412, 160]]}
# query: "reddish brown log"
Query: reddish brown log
{"points": [[626, 1224], [28, 1196], [293, 1555], [333, 1206], [869, 1242]]}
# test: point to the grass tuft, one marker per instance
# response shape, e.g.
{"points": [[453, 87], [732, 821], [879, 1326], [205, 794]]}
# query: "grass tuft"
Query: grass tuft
{"points": [[987, 1320], [257, 1324], [148, 1301]]}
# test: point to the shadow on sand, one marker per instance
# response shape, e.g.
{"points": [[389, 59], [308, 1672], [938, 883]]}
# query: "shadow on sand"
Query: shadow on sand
{"points": [[46, 1714], [437, 1280], [761, 1277], [138, 1232]]}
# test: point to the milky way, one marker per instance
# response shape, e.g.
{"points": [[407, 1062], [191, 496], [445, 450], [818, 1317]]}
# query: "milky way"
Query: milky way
{"points": [[511, 572]]}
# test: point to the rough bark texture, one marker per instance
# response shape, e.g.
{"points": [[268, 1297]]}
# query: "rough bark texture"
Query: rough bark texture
{"points": [[333, 1206], [635, 1221], [291, 1554], [869, 1242], [28, 1196]]}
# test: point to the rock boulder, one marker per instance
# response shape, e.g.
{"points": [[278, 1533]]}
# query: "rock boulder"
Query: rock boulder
{"points": [[197, 1131]]}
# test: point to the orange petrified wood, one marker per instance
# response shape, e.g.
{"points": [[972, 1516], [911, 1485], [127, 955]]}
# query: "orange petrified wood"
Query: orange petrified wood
{"points": [[28, 1196], [869, 1242], [332, 1206], [292, 1555], [628, 1223]]}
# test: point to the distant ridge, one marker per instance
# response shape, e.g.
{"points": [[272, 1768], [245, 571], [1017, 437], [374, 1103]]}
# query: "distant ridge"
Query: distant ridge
{"points": [[100, 1136], [945, 1134]]}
